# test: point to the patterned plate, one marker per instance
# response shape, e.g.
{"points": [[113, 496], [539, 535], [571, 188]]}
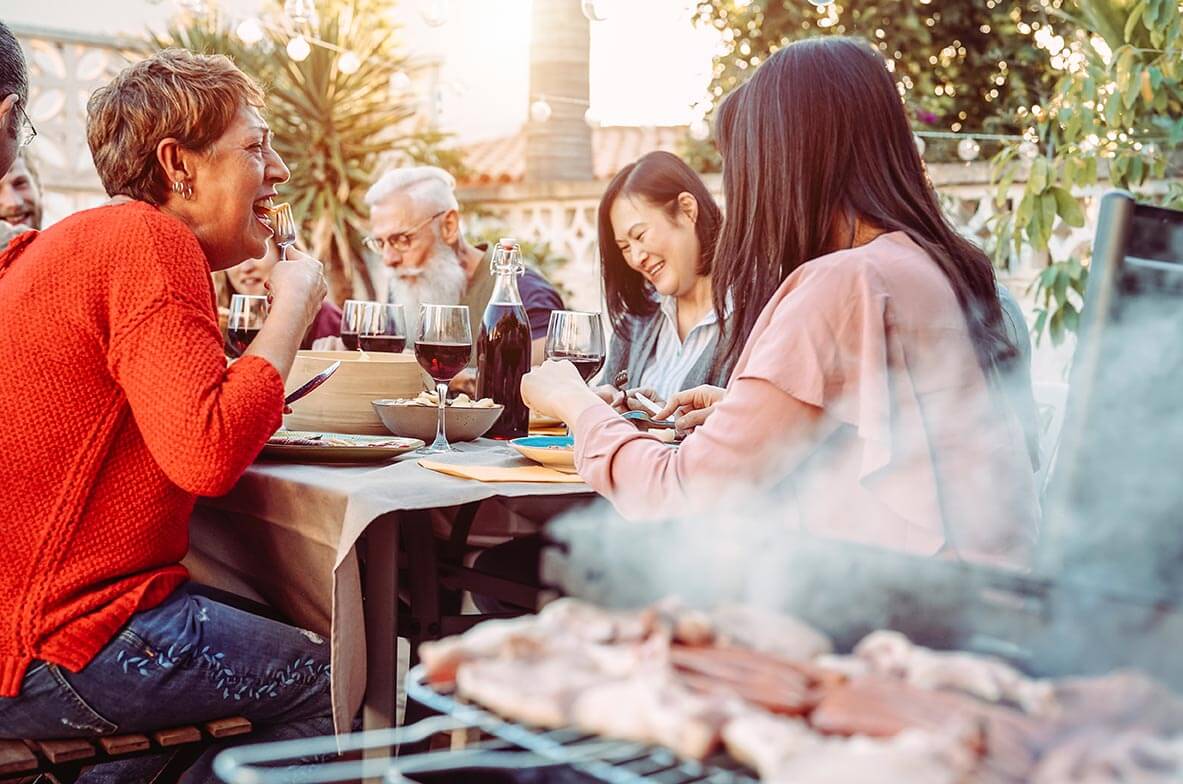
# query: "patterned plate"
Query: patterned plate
{"points": [[312, 447]]}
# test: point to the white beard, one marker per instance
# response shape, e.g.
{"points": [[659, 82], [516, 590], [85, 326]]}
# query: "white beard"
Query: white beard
{"points": [[441, 281]]}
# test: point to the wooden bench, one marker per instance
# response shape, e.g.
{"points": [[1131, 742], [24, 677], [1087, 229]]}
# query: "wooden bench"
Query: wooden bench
{"points": [[64, 759]]}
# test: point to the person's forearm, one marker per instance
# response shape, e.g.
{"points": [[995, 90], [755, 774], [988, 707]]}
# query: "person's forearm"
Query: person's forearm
{"points": [[575, 402], [279, 339]]}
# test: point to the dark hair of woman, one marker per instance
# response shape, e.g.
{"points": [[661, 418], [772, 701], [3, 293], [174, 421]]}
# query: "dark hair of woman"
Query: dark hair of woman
{"points": [[815, 143], [659, 178]]}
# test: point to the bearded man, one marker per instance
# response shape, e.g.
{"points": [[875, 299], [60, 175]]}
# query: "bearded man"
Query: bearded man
{"points": [[416, 227]]}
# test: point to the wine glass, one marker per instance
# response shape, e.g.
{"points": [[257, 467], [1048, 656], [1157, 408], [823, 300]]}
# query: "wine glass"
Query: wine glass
{"points": [[577, 337], [247, 313], [382, 327], [350, 318], [443, 345]]}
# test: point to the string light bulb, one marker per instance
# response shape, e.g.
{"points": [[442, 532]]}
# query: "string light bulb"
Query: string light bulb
{"points": [[591, 117], [249, 31], [968, 149], [1029, 150], [434, 12], [399, 82], [299, 49], [349, 63], [540, 111], [700, 130]]}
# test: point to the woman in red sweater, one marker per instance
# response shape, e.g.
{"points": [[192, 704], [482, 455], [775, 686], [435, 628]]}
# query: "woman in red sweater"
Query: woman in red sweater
{"points": [[119, 410]]}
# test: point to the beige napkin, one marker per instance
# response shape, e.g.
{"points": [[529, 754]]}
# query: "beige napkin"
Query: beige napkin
{"points": [[480, 473]]}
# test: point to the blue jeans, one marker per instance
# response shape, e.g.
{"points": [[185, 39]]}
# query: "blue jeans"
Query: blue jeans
{"points": [[189, 660]]}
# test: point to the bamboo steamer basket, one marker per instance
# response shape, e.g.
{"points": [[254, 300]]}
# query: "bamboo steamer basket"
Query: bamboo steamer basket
{"points": [[342, 404]]}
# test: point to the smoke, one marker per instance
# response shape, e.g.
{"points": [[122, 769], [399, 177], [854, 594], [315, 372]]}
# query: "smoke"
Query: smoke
{"points": [[1106, 576]]}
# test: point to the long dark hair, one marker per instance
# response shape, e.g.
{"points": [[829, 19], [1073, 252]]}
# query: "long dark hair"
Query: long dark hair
{"points": [[658, 177], [819, 132]]}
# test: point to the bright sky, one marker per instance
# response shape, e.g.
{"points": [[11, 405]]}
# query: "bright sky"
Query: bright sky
{"points": [[648, 64]]}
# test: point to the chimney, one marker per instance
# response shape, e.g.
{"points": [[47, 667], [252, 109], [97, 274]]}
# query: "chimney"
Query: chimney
{"points": [[561, 147]]}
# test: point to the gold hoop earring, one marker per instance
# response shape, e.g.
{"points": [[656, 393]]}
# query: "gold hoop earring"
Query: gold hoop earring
{"points": [[185, 188]]}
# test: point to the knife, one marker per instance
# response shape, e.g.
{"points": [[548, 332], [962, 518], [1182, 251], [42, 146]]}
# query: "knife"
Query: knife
{"points": [[312, 383]]}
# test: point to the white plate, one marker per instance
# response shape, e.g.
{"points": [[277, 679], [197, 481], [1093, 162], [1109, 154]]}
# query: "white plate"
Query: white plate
{"points": [[338, 447]]}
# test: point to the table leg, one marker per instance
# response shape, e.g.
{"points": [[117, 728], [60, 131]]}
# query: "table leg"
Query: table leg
{"points": [[380, 709]]}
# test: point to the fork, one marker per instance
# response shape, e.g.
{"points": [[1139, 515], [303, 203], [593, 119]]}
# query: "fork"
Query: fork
{"points": [[283, 227]]}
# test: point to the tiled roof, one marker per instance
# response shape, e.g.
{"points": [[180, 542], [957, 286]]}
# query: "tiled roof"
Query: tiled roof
{"points": [[502, 161]]}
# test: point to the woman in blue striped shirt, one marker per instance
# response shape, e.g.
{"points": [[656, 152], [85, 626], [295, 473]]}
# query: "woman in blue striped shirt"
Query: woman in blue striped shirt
{"points": [[657, 229]]}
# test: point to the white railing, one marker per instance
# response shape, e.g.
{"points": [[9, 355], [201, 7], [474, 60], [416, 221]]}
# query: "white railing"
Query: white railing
{"points": [[564, 215], [64, 69]]}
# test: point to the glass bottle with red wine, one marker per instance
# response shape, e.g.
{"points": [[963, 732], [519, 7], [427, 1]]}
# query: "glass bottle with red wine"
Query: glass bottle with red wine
{"points": [[247, 313], [503, 349], [443, 345], [577, 337]]}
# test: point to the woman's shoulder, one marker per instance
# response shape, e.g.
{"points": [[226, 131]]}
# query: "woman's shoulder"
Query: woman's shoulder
{"points": [[130, 219]]}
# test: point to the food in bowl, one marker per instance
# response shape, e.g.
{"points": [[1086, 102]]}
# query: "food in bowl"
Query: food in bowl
{"points": [[464, 419], [432, 399]]}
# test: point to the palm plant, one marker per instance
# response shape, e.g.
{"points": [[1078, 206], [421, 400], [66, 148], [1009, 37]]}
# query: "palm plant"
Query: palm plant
{"points": [[334, 127]]}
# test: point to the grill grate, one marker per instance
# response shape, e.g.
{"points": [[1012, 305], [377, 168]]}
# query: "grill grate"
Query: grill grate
{"points": [[607, 760]]}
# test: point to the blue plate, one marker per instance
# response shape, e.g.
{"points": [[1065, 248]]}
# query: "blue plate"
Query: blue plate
{"points": [[556, 452], [546, 442]]}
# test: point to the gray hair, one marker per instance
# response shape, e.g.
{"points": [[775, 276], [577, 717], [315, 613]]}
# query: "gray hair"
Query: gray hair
{"points": [[428, 186], [14, 77]]}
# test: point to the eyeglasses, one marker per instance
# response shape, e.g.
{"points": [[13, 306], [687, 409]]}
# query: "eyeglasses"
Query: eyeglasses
{"points": [[25, 132], [400, 241]]}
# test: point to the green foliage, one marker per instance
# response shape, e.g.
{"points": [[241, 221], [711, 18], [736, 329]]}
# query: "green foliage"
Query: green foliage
{"points": [[1116, 112], [1059, 295], [333, 129], [960, 65]]}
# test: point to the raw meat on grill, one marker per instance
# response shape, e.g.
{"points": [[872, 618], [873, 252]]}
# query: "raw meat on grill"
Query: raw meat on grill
{"points": [[539, 692], [881, 707], [1098, 756], [767, 631], [652, 706], [789, 751], [891, 653], [770, 691], [566, 622]]}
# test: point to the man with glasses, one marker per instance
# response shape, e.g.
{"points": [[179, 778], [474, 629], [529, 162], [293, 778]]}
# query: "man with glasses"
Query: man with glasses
{"points": [[16, 130], [415, 227]]}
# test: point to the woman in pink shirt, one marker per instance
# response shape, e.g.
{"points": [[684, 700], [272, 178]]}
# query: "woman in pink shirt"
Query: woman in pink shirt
{"points": [[869, 334]]}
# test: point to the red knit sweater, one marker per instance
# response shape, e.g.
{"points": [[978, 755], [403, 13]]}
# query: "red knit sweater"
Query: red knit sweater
{"points": [[118, 410]]}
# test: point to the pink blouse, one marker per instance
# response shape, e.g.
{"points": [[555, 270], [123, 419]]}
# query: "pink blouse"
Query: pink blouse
{"points": [[859, 405]]}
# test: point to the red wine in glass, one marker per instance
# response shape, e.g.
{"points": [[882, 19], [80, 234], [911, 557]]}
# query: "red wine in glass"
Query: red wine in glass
{"points": [[587, 364], [391, 344], [442, 361], [350, 340], [503, 357], [241, 338]]}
